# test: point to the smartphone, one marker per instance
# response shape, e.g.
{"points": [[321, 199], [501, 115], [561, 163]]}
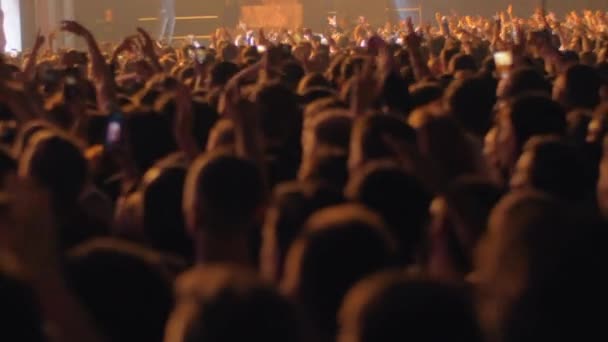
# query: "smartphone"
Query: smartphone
{"points": [[324, 41], [114, 131], [70, 88], [200, 54], [504, 62], [363, 43], [261, 48]]}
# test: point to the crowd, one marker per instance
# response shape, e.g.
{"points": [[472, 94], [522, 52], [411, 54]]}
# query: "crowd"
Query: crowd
{"points": [[441, 183]]}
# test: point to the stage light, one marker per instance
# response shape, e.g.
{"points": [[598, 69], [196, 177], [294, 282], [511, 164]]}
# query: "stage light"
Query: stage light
{"points": [[12, 24]]}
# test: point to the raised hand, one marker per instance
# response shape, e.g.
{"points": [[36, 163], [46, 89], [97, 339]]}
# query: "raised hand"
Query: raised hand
{"points": [[365, 89], [184, 122], [74, 27]]}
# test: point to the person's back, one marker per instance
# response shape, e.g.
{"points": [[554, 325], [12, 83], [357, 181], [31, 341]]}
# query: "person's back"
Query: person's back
{"points": [[225, 304], [393, 307]]}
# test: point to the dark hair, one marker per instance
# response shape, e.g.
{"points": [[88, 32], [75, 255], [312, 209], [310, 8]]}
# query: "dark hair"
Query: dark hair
{"points": [[536, 115], [291, 206], [278, 111], [549, 248], [123, 286], [561, 169], [222, 72], [57, 163], [163, 221], [398, 197], [425, 93], [224, 191], [471, 199], [525, 80], [371, 134], [149, 138], [327, 165], [341, 245], [332, 129], [471, 102], [463, 62], [582, 87], [391, 306]]}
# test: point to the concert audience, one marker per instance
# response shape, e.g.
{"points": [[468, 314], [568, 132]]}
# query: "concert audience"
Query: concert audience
{"points": [[445, 182]]}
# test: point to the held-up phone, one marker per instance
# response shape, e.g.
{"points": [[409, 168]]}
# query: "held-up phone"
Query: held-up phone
{"points": [[114, 130], [71, 88], [200, 54], [504, 62]]}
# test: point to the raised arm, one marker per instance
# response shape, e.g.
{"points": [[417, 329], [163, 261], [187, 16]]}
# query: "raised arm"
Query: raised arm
{"points": [[149, 50], [421, 69], [33, 242], [106, 92], [30, 68]]}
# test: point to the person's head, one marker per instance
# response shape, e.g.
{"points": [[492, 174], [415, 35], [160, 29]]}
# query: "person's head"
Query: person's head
{"points": [[340, 246], [223, 196], [326, 164], [398, 197], [459, 216], [204, 117], [539, 271], [291, 205], [394, 307], [378, 137], [521, 119], [291, 73], [124, 287], [559, 168], [221, 73], [588, 58], [471, 101], [395, 95], [331, 129], [426, 94], [148, 138], [312, 80], [279, 113], [578, 87], [462, 64], [226, 304], [162, 218], [56, 162], [229, 53], [521, 81]]}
